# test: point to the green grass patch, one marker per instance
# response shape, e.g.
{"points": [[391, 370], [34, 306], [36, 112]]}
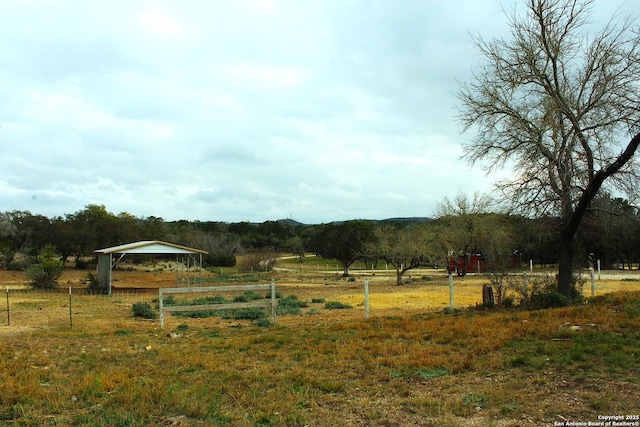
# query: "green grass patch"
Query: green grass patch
{"points": [[428, 374]]}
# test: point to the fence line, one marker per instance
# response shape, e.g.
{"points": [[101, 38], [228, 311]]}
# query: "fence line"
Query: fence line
{"points": [[230, 306]]}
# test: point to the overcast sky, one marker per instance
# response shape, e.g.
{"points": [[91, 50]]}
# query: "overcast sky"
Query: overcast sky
{"points": [[239, 110]]}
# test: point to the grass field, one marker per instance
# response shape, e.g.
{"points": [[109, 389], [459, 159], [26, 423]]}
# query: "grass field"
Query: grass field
{"points": [[408, 364]]}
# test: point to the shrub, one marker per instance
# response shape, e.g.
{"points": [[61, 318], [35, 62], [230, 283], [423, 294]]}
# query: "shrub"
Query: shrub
{"points": [[549, 298], [268, 295], [262, 322], [249, 314], [290, 305], [93, 286], [168, 300], [336, 305], [143, 310], [46, 273], [215, 299], [543, 293], [248, 297], [317, 300]]}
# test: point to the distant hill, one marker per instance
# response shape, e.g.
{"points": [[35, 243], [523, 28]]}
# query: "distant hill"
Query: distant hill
{"points": [[408, 219], [289, 221], [295, 223]]}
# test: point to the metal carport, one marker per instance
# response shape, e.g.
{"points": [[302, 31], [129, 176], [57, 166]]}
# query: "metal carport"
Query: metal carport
{"points": [[192, 256]]}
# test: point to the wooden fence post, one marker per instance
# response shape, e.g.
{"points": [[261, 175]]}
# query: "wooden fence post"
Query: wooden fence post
{"points": [[70, 311], [451, 291], [8, 315], [273, 303], [160, 305]]}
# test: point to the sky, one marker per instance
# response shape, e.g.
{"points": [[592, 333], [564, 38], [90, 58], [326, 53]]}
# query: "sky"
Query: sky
{"points": [[247, 110]]}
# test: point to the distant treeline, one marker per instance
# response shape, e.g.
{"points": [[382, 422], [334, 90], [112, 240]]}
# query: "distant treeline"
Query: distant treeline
{"points": [[611, 234]]}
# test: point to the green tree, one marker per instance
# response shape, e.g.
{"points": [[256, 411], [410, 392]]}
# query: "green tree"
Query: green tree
{"points": [[559, 105], [32, 231], [153, 228], [344, 241], [47, 271], [610, 233], [7, 235]]}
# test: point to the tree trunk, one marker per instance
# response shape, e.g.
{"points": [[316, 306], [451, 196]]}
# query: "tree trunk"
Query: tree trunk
{"points": [[399, 275], [565, 268], [346, 269]]}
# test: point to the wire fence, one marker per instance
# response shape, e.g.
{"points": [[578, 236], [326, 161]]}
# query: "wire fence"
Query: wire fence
{"points": [[24, 306]]}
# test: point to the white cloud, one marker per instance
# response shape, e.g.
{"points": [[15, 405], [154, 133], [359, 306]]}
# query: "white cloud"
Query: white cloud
{"points": [[234, 111]]}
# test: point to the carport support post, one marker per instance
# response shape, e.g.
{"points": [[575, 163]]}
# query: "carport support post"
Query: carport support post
{"points": [[451, 291], [366, 299]]}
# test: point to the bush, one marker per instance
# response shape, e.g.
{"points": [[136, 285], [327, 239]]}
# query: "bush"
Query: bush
{"points": [[93, 286], [263, 322], [544, 293], [249, 314], [215, 299], [46, 273], [248, 296], [549, 298], [290, 305], [336, 305], [143, 310], [169, 300]]}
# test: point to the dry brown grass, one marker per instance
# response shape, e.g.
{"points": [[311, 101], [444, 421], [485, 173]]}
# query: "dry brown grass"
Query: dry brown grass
{"points": [[409, 364]]}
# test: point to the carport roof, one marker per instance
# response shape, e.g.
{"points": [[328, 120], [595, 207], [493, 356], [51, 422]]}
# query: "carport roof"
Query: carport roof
{"points": [[150, 247]]}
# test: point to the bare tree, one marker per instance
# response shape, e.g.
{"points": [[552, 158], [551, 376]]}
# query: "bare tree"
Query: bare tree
{"points": [[560, 106], [405, 248]]}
